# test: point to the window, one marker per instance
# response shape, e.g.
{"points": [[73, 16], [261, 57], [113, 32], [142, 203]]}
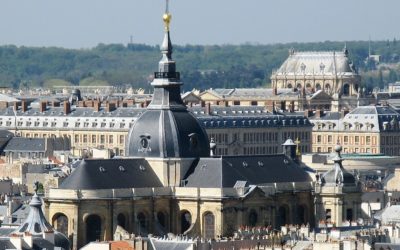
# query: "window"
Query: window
{"points": [[121, 139], [102, 139], [76, 138], [329, 139], [319, 138], [346, 139], [368, 140], [110, 139], [356, 139], [85, 138], [93, 139]]}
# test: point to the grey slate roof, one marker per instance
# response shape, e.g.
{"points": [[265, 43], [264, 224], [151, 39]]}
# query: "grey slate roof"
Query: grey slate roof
{"points": [[111, 174], [22, 144], [225, 171]]}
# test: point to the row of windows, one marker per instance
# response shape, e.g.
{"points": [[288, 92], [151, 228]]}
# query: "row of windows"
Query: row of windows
{"points": [[259, 137], [346, 150], [102, 139], [66, 124], [390, 140], [362, 140], [259, 150]]}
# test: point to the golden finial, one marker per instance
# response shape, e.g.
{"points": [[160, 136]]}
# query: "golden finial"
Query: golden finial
{"points": [[167, 16]]}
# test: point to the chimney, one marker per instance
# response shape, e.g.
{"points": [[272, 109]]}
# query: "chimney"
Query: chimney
{"points": [[3, 104], [274, 91], [96, 106], [110, 107], [269, 105], [81, 104], [43, 106], [24, 106], [344, 113], [67, 107], [88, 103], [208, 108], [16, 106], [124, 104], [318, 113]]}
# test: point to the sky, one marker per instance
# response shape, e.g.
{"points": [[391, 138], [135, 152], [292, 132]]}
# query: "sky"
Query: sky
{"points": [[86, 23]]}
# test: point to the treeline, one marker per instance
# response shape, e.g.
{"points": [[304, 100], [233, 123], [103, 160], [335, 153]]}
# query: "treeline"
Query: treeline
{"points": [[202, 67]]}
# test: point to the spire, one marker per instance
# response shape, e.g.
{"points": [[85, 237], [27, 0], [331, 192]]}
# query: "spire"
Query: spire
{"points": [[166, 66], [166, 79], [345, 50]]}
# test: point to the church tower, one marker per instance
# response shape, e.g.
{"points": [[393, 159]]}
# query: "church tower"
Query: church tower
{"points": [[167, 132], [337, 195]]}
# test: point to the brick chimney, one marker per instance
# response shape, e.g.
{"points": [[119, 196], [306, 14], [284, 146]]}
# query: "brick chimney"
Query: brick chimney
{"points": [[16, 106], [318, 113], [43, 106], [110, 107], [208, 108], [96, 106], [67, 107], [3, 104], [81, 104], [24, 106]]}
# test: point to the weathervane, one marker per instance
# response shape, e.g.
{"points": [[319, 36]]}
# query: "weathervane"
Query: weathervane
{"points": [[167, 16]]}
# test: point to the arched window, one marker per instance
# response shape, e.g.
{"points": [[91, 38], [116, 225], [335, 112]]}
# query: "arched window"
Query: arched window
{"points": [[327, 88], [209, 225], [121, 220], [318, 86], [308, 87], [60, 223], [186, 221], [93, 228], [289, 86], [299, 86], [141, 224], [346, 89], [253, 218]]}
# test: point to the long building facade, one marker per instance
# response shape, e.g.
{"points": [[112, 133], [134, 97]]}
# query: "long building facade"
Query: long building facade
{"points": [[236, 130]]}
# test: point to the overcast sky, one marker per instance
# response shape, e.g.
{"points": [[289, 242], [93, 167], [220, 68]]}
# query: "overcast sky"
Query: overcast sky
{"points": [[85, 23]]}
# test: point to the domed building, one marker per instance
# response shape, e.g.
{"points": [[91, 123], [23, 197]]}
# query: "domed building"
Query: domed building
{"points": [[35, 232], [337, 195], [170, 183]]}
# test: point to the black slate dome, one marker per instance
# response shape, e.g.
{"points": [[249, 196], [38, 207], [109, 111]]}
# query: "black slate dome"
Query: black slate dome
{"points": [[167, 128], [338, 175]]}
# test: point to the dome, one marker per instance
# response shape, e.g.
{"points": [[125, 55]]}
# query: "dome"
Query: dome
{"points": [[338, 175], [167, 128], [167, 133], [36, 224]]}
